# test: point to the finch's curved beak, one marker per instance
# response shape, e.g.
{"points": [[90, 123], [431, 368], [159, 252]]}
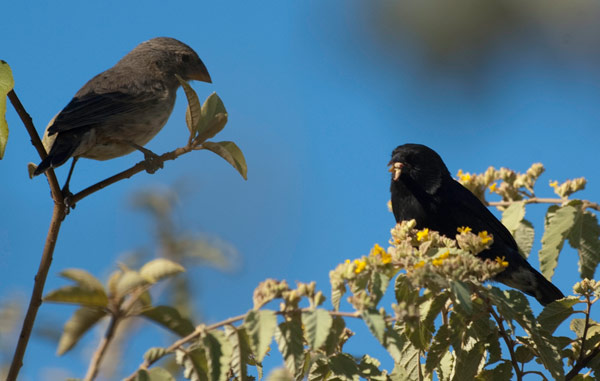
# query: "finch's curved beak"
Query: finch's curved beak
{"points": [[201, 76], [396, 169]]}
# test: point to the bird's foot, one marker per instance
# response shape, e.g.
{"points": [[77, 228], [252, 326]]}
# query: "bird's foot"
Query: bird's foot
{"points": [[152, 161], [68, 199]]}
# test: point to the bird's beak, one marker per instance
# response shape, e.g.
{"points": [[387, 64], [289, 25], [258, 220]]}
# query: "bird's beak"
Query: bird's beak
{"points": [[396, 169], [201, 76]]}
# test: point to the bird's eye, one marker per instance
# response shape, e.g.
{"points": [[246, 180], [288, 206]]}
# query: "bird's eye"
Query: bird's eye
{"points": [[185, 58]]}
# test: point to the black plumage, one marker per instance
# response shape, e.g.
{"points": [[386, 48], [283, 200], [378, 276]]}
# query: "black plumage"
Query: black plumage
{"points": [[423, 189]]}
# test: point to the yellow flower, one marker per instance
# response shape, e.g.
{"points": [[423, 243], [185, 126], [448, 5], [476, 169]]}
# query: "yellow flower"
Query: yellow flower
{"points": [[485, 238], [554, 184], [422, 235], [445, 255], [419, 264], [463, 176], [464, 229], [347, 261], [502, 262], [379, 251], [437, 262], [360, 265], [492, 187]]}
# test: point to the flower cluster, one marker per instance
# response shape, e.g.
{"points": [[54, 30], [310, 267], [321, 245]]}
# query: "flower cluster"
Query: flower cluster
{"points": [[568, 187]]}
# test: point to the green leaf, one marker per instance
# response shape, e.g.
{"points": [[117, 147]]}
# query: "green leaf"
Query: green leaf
{"points": [[154, 374], [113, 280], [78, 295], [558, 223], [317, 325], [82, 320], [194, 363], [468, 362], [438, 349], [213, 120], [376, 324], [169, 318], [523, 354], [585, 238], [83, 278], [319, 370], [378, 285], [408, 358], [231, 153], [513, 215], [462, 294], [260, 326], [193, 114], [241, 351], [447, 365], [160, 268], [344, 367], [405, 291], [556, 312], [524, 236], [332, 344], [288, 337], [129, 281], [502, 372], [218, 353], [154, 354], [6, 85], [338, 289]]}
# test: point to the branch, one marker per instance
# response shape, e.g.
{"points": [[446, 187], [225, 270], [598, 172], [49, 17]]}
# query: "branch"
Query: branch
{"points": [[582, 360], [508, 341], [539, 200], [92, 371], [58, 215], [137, 168], [202, 328]]}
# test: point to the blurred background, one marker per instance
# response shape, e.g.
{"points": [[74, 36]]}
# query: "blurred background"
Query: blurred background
{"points": [[318, 95]]}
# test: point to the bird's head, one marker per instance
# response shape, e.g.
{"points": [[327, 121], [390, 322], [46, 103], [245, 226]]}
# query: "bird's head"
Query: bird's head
{"points": [[418, 165], [170, 57]]}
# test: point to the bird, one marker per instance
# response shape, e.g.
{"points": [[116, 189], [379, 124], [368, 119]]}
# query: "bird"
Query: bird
{"points": [[124, 107], [423, 189]]}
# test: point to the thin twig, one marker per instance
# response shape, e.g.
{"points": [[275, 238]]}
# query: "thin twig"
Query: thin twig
{"points": [[204, 328], [540, 200], [582, 360], [92, 371], [508, 341], [58, 215]]}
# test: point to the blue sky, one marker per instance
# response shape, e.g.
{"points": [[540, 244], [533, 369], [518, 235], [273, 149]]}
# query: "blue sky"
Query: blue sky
{"points": [[315, 101]]}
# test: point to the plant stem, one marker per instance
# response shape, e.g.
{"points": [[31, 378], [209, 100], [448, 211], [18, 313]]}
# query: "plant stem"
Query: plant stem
{"points": [[92, 371]]}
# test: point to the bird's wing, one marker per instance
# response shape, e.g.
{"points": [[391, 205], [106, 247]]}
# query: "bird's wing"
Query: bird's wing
{"points": [[467, 210], [94, 108]]}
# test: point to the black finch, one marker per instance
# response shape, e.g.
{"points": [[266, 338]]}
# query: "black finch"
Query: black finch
{"points": [[423, 189], [124, 107]]}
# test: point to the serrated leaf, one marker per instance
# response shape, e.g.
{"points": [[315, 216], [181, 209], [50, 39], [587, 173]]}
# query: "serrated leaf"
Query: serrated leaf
{"points": [[558, 223], [83, 278], [154, 374], [556, 312], [585, 238], [288, 336], [82, 320], [338, 289], [218, 353], [193, 114], [6, 85], [317, 325], [129, 281], [513, 215], [160, 268], [214, 118], [169, 318], [154, 354], [194, 363], [462, 294], [319, 370], [260, 326], [241, 351], [502, 372], [376, 324], [446, 367], [378, 285], [343, 367], [525, 236], [469, 362], [438, 349], [333, 338], [404, 290], [231, 153], [78, 295]]}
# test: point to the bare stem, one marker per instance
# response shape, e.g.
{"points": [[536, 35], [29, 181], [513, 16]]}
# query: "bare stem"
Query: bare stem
{"points": [[92, 371], [540, 200], [58, 215], [509, 342]]}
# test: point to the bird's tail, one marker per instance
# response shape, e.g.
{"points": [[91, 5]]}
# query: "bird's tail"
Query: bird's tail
{"points": [[62, 149], [525, 278]]}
